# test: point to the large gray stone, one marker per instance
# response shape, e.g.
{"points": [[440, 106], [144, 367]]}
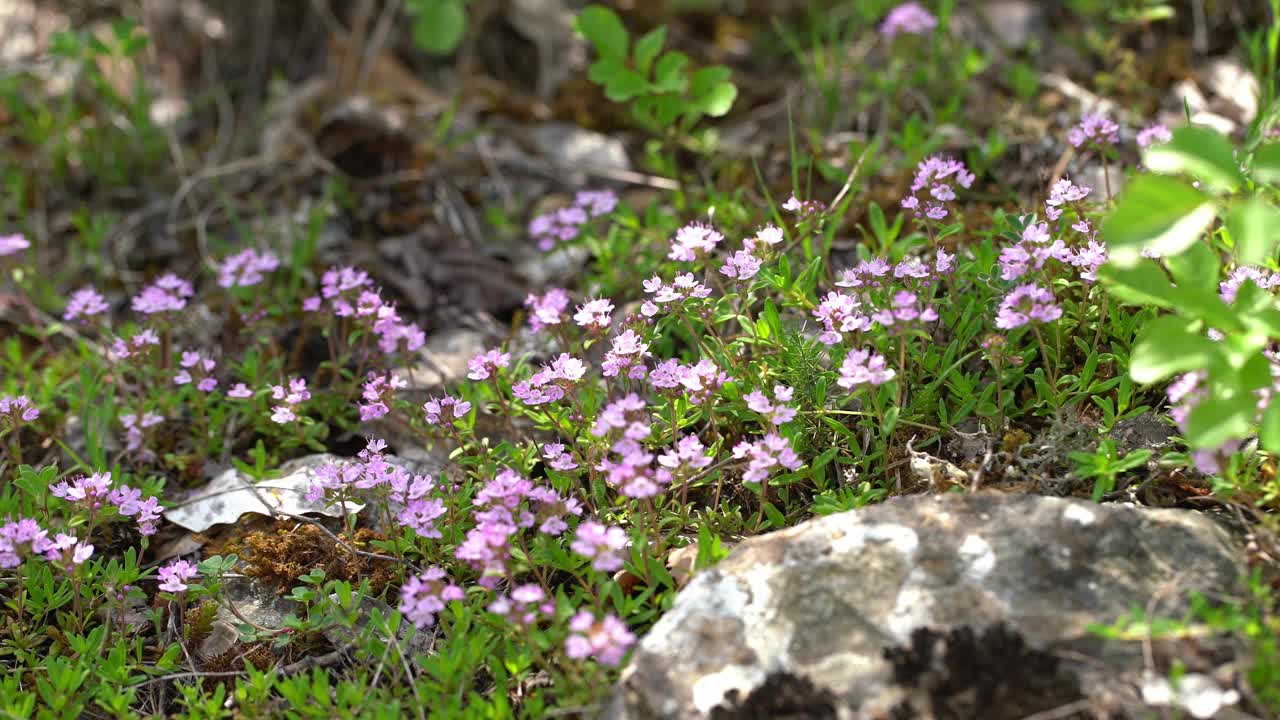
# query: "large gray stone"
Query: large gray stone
{"points": [[925, 606]]}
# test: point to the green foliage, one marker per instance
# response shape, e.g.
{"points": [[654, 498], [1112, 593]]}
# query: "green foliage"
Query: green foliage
{"points": [[1167, 216], [1106, 464], [438, 25], [664, 91]]}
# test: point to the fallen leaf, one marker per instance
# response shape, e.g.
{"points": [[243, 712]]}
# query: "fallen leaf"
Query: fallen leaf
{"points": [[232, 494]]}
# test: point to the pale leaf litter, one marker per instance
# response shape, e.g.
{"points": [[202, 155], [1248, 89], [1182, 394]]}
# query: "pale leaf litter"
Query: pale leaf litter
{"points": [[232, 494]]}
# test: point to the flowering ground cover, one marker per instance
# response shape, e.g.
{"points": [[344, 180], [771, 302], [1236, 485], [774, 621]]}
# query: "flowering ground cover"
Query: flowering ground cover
{"points": [[739, 346]]}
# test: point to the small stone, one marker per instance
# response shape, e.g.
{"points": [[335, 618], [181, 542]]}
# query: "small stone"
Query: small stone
{"points": [[573, 147]]}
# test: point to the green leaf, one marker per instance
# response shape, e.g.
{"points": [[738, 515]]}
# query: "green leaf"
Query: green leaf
{"points": [[1266, 163], [1215, 420], [648, 47], [1255, 227], [439, 26], [1169, 346], [1142, 284], [1269, 428], [717, 102], [624, 85], [1156, 213], [602, 28], [1197, 268], [669, 75], [1199, 152]]}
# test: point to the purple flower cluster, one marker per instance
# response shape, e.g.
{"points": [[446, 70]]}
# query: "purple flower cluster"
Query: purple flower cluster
{"points": [[135, 347], [686, 457], [627, 352], [803, 209], [1154, 134], [288, 397], [422, 597], [445, 410], [175, 575], [547, 309], [16, 410], [766, 455], [487, 364], [350, 294], [684, 287], [373, 472], [198, 368], [84, 304], [507, 504], [909, 18], [600, 544], [940, 176], [606, 640], [135, 427], [1027, 304], [564, 224], [25, 537], [1263, 279], [558, 458], [377, 393], [93, 493], [20, 537], [1094, 129], [863, 367], [693, 241], [167, 294], [246, 268], [551, 382], [776, 411], [13, 244], [526, 604], [594, 315]]}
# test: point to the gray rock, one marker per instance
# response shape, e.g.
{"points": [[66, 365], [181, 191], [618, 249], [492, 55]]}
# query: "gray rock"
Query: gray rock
{"points": [[923, 604], [573, 147], [1014, 22]]}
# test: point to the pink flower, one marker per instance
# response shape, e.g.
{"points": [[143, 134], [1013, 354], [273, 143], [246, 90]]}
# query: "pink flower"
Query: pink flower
{"points": [[557, 458], [606, 640], [423, 596], [863, 367], [15, 410], [246, 268], [1026, 304], [908, 18], [840, 313], [626, 351], [547, 309], [594, 315], [765, 455], [13, 244], [694, 240], [85, 303], [1154, 134], [1094, 129], [940, 176], [779, 413], [600, 544], [289, 398], [377, 393], [240, 391], [742, 265], [174, 576], [169, 293], [445, 410], [20, 537], [487, 364]]}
